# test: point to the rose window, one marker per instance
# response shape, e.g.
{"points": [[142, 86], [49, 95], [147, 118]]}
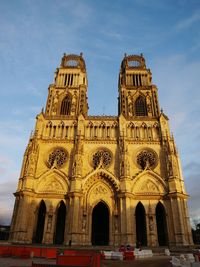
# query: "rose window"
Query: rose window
{"points": [[57, 158], [146, 158], [101, 158]]}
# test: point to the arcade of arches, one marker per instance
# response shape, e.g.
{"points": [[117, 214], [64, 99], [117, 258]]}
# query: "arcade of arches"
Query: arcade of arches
{"points": [[101, 180]]}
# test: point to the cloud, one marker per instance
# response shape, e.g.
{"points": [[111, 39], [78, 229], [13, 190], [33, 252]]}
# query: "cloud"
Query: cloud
{"points": [[192, 174], [7, 200], [185, 24], [113, 35], [177, 79]]}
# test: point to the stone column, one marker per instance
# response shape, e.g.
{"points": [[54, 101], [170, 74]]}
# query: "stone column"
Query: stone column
{"points": [[188, 233], [126, 219], [75, 230], [178, 222], [48, 227], [152, 238], [21, 220]]}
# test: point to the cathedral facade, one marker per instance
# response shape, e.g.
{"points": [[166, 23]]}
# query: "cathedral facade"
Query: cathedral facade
{"points": [[101, 180]]}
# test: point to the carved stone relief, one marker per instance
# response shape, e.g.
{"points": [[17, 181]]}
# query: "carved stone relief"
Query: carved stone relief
{"points": [[53, 185], [149, 187], [100, 192], [55, 103]]}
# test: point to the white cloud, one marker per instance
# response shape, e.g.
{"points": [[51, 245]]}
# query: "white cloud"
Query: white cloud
{"points": [[7, 200], [184, 24]]}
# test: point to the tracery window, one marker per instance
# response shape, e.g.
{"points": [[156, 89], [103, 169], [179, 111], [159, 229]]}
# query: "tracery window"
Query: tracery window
{"points": [[66, 106], [147, 158], [57, 158], [140, 107], [101, 158]]}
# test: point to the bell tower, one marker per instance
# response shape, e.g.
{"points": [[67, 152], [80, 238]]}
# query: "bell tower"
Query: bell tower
{"points": [[67, 97], [137, 95]]}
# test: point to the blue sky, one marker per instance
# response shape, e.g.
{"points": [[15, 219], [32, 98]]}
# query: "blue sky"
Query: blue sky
{"points": [[35, 34]]}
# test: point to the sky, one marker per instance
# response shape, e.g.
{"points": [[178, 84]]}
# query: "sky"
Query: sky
{"points": [[35, 34]]}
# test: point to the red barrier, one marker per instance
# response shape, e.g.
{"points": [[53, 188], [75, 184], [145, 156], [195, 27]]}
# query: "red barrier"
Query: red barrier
{"points": [[21, 252], [96, 260], [129, 255], [6, 252], [51, 253], [43, 252], [79, 252], [70, 252], [74, 260], [70, 257], [26, 252], [2, 249], [35, 252]]}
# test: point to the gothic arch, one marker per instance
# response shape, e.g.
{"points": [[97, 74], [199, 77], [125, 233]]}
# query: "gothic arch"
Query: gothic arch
{"points": [[62, 124], [103, 174], [40, 222], [100, 228], [90, 124], [115, 124], [140, 221], [136, 95], [131, 125], [99, 186], [148, 183], [161, 223], [140, 106], [60, 222], [49, 124], [144, 125], [52, 181], [66, 104]]}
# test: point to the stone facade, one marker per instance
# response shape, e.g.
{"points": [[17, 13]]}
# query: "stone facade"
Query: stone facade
{"points": [[101, 180]]}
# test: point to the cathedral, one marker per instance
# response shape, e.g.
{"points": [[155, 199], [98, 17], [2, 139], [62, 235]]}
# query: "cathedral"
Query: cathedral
{"points": [[101, 180]]}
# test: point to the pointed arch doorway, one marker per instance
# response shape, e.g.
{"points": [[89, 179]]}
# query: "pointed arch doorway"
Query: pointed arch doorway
{"points": [[100, 225], [60, 223], [141, 231], [40, 223], [161, 225]]}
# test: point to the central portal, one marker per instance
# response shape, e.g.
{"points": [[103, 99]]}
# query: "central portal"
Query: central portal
{"points": [[100, 225]]}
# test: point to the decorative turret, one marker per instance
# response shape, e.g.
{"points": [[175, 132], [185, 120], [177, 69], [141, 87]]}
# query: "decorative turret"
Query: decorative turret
{"points": [[68, 95], [137, 95]]}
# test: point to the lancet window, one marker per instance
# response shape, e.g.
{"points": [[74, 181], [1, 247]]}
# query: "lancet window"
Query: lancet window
{"points": [[66, 106], [140, 107]]}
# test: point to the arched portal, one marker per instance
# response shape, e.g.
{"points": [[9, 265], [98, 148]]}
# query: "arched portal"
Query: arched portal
{"points": [[100, 225], [40, 223], [141, 232], [60, 223], [161, 225]]}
